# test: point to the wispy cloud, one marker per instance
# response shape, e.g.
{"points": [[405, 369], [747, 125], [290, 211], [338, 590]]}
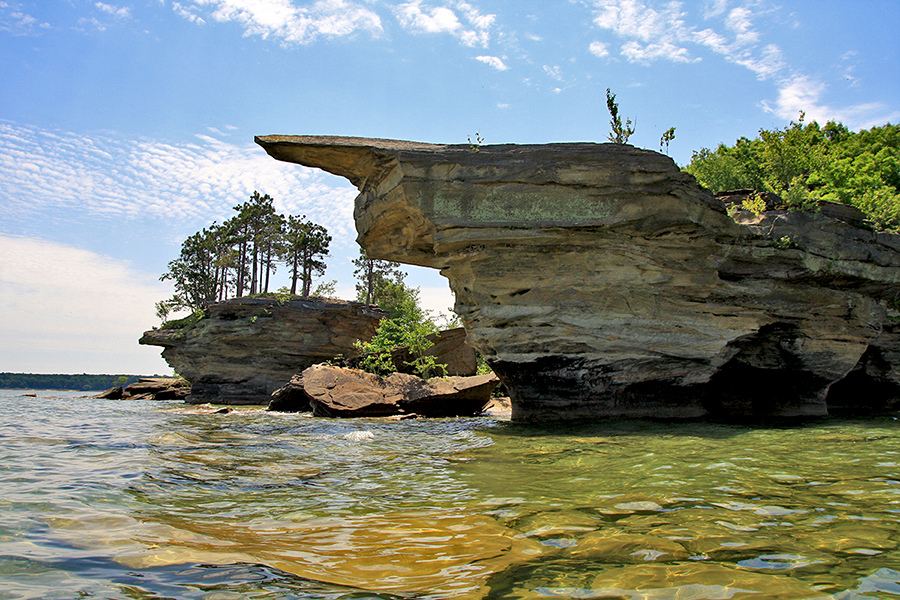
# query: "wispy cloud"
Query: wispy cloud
{"points": [[68, 306], [120, 12], [802, 93], [14, 20], [284, 20], [198, 180], [660, 31], [458, 18], [598, 49], [494, 62]]}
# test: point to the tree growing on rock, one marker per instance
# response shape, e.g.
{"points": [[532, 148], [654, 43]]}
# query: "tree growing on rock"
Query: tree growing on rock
{"points": [[619, 133], [303, 249], [372, 275]]}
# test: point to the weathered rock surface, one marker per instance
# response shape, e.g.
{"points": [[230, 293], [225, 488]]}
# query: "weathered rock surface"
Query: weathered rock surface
{"points": [[150, 388], [449, 348], [247, 347], [599, 280], [342, 392], [290, 397]]}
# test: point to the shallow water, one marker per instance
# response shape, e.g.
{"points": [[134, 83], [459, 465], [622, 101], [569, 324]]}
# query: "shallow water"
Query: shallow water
{"points": [[136, 499]]}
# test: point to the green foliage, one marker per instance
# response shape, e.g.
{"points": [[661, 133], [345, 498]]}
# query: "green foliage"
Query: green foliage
{"points": [[754, 203], [325, 289], [373, 277], [393, 333], [805, 163], [784, 242], [186, 322], [482, 368], [666, 138], [84, 382], [619, 133], [475, 145]]}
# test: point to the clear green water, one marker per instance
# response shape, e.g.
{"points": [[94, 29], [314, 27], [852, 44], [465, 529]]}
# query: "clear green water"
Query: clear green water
{"points": [[118, 499]]}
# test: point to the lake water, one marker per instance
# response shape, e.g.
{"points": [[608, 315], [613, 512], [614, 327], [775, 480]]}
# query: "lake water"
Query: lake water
{"points": [[136, 499]]}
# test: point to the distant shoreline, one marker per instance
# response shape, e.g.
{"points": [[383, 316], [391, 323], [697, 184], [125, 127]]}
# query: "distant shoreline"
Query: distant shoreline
{"points": [[80, 382]]}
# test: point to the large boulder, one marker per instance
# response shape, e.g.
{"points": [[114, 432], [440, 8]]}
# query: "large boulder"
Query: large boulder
{"points": [[449, 348], [341, 392], [290, 397], [245, 348], [599, 280]]}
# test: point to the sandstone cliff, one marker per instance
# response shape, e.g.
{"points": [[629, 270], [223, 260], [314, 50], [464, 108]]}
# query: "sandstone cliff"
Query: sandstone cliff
{"points": [[247, 347], [600, 280]]}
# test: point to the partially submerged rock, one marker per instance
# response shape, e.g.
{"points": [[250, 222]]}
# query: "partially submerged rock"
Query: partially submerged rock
{"points": [[290, 397], [600, 280], [341, 392], [247, 347], [149, 388]]}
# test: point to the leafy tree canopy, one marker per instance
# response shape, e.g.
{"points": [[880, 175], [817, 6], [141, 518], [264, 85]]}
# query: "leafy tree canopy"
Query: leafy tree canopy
{"points": [[806, 162]]}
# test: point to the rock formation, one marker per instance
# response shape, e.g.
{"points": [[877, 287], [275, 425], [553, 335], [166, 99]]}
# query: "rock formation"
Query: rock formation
{"points": [[341, 392], [599, 280], [247, 347], [149, 388]]}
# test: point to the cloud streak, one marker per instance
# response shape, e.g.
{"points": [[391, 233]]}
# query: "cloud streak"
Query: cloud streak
{"points": [[284, 20], [106, 175], [457, 18]]}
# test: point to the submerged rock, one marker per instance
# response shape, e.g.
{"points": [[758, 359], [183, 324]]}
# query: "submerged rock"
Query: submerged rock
{"points": [[149, 388], [245, 348], [342, 392], [600, 280]]}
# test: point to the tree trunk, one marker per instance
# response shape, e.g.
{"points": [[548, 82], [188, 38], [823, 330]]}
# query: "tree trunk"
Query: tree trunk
{"points": [[268, 264], [242, 259], [294, 275], [370, 281], [255, 270]]}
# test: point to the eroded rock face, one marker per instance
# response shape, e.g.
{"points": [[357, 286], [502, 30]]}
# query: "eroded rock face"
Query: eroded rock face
{"points": [[341, 392], [248, 347], [599, 280]]}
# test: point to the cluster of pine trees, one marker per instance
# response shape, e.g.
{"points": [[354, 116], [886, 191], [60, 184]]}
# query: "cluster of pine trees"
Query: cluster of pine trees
{"points": [[238, 257], [805, 162]]}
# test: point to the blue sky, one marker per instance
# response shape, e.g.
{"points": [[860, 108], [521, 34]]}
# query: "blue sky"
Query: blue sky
{"points": [[127, 125]]}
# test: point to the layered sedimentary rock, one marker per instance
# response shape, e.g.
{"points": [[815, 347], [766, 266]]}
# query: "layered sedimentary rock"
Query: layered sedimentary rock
{"points": [[247, 347], [599, 280], [150, 388], [340, 392]]}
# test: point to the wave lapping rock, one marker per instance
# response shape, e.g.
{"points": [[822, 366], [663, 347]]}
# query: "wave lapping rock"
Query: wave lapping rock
{"points": [[600, 280], [247, 347]]}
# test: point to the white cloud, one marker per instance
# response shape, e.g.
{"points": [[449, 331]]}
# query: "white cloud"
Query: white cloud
{"points": [[138, 178], [659, 31], [503, 105], [120, 12], [802, 93], [69, 309], [493, 61], [457, 18], [598, 49], [16, 21], [187, 14], [284, 20], [553, 72]]}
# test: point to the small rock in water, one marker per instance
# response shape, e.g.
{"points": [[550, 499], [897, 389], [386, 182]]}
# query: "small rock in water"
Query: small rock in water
{"points": [[29, 395], [223, 411], [359, 436]]}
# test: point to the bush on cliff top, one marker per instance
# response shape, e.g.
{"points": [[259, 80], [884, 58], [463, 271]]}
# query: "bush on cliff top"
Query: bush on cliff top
{"points": [[806, 162]]}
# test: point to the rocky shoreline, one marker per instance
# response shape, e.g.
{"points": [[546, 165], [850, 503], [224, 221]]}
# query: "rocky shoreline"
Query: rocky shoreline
{"points": [[599, 280]]}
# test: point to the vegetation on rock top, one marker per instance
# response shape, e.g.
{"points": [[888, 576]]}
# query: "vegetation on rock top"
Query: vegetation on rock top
{"points": [[805, 163]]}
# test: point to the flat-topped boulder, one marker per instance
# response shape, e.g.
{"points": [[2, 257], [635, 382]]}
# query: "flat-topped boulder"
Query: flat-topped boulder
{"points": [[599, 280], [245, 348]]}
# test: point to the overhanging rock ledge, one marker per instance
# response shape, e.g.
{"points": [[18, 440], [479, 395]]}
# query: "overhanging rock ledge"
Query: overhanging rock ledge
{"points": [[599, 280]]}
